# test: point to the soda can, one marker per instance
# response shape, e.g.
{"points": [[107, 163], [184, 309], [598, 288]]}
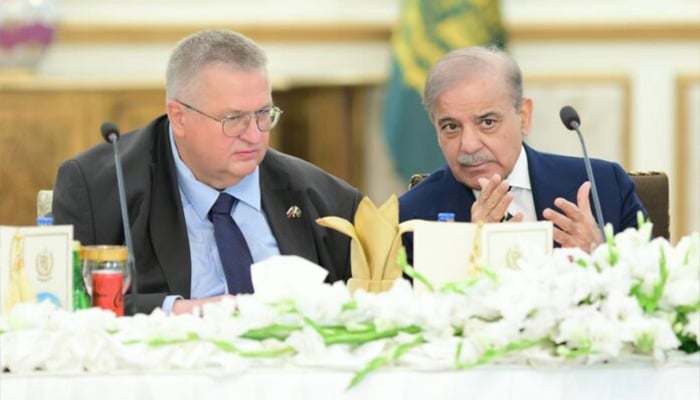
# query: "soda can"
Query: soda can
{"points": [[107, 290]]}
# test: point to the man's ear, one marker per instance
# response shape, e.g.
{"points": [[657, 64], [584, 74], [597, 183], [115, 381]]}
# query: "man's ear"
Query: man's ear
{"points": [[525, 116], [176, 115]]}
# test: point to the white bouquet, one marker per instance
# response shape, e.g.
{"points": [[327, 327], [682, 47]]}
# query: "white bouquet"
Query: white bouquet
{"points": [[632, 297]]}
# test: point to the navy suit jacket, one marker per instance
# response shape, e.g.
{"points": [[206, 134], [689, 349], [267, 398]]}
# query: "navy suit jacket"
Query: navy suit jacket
{"points": [[551, 176], [85, 195]]}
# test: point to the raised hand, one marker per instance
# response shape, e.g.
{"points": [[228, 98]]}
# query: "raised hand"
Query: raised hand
{"points": [[493, 202], [575, 225]]}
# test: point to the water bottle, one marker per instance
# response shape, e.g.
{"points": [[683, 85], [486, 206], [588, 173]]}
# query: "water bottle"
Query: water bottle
{"points": [[44, 221], [446, 217]]}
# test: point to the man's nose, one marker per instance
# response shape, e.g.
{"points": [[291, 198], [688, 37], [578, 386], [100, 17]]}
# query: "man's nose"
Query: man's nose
{"points": [[252, 133], [470, 141]]}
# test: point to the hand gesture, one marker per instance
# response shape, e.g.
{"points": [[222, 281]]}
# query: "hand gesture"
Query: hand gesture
{"points": [[575, 226], [493, 201]]}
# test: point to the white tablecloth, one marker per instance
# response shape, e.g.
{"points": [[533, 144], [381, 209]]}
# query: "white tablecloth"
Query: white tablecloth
{"points": [[497, 382]]}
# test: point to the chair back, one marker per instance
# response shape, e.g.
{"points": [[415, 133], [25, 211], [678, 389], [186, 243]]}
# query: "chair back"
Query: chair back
{"points": [[651, 187]]}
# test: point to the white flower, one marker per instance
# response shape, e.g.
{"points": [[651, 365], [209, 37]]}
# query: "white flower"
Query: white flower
{"points": [[653, 335], [588, 329], [551, 308]]}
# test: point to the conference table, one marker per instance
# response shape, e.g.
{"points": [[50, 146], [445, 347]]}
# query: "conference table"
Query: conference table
{"points": [[600, 382]]}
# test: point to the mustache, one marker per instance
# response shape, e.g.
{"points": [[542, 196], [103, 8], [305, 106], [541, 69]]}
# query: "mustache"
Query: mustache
{"points": [[473, 159]]}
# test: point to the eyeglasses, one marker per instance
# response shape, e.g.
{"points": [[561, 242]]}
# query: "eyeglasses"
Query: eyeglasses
{"points": [[235, 125]]}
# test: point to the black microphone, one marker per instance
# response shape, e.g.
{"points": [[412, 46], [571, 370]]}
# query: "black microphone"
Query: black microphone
{"points": [[572, 122], [110, 133]]}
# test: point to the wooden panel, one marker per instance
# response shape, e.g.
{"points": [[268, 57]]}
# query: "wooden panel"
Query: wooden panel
{"points": [[41, 128], [603, 103], [685, 213], [79, 32], [324, 128]]}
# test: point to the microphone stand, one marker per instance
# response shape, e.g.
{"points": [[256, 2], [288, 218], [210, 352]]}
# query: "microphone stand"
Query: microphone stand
{"points": [[589, 171], [114, 138]]}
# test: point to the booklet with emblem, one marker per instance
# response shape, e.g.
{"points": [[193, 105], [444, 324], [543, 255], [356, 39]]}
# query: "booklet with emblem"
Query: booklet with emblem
{"points": [[36, 264], [448, 251]]}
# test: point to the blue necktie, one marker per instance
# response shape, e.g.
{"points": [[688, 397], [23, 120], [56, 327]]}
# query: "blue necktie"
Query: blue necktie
{"points": [[233, 249]]}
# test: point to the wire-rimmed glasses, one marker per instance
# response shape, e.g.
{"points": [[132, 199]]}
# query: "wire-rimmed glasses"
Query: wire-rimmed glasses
{"points": [[235, 125]]}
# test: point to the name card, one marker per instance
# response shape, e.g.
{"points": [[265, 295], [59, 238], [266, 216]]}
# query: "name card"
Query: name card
{"points": [[445, 251], [36, 264]]}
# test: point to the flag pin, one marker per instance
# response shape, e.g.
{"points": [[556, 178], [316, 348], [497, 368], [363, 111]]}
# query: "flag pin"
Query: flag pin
{"points": [[293, 212]]}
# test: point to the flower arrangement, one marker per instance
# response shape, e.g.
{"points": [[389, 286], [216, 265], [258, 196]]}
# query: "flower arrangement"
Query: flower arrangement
{"points": [[631, 298]]}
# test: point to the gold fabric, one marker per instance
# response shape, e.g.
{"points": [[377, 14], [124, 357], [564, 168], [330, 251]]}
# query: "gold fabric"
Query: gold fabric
{"points": [[376, 240], [20, 290]]}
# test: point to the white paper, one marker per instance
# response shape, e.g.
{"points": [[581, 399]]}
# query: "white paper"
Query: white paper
{"points": [[503, 244], [48, 261], [442, 251], [285, 276]]}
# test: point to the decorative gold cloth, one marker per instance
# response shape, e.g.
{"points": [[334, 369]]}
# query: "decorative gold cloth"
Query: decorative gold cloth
{"points": [[376, 240], [20, 290]]}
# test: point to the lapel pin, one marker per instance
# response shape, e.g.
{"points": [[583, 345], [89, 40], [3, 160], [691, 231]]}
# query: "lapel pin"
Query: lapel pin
{"points": [[293, 212]]}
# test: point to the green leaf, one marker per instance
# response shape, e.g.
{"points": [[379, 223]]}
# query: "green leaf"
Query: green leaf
{"points": [[349, 306], [411, 272], [650, 303], [367, 336], [379, 361], [613, 252], [269, 353], [494, 352], [366, 370], [276, 331], [688, 342]]}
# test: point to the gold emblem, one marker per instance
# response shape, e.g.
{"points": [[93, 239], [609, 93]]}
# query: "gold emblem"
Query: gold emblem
{"points": [[513, 255], [44, 265]]}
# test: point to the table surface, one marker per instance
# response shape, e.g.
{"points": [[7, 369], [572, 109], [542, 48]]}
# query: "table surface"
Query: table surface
{"points": [[490, 382]]}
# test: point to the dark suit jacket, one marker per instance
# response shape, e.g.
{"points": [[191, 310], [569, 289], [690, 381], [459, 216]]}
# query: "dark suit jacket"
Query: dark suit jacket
{"points": [[551, 176], [86, 196]]}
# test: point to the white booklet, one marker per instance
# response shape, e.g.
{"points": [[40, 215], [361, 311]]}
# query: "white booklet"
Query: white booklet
{"points": [[36, 264], [444, 251]]}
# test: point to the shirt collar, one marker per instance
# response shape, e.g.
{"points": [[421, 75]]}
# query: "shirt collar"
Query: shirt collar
{"points": [[202, 197], [520, 176]]}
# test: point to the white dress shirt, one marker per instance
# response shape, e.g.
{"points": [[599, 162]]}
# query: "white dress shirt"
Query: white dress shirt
{"points": [[519, 180], [208, 277]]}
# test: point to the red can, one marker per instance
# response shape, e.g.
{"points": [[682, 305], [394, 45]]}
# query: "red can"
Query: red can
{"points": [[107, 290]]}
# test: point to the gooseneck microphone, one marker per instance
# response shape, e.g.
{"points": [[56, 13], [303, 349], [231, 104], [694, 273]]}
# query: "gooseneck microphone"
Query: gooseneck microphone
{"points": [[571, 121], [110, 133]]}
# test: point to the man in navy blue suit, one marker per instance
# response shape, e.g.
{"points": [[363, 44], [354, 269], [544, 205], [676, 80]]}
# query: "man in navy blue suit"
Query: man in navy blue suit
{"points": [[475, 101]]}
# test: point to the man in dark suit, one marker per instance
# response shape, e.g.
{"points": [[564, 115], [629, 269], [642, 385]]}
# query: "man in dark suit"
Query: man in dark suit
{"points": [[475, 101], [213, 140]]}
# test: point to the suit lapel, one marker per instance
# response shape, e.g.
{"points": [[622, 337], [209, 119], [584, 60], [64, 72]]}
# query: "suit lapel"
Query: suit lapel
{"points": [[541, 183], [549, 180], [167, 221], [294, 235]]}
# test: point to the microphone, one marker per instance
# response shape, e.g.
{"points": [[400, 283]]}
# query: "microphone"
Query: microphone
{"points": [[110, 133], [572, 122]]}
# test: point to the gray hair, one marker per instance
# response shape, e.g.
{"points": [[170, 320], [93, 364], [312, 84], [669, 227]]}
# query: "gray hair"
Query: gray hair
{"points": [[199, 50], [468, 63]]}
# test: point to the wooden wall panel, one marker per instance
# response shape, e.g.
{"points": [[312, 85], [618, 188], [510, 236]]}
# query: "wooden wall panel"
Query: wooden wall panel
{"points": [[40, 128]]}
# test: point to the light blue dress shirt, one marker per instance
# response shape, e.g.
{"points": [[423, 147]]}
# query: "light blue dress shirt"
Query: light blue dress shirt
{"points": [[197, 199]]}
